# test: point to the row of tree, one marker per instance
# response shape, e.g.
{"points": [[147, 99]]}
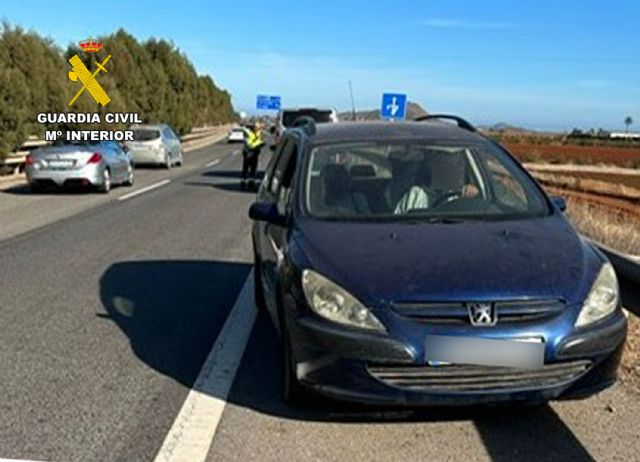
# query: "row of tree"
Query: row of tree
{"points": [[152, 78]]}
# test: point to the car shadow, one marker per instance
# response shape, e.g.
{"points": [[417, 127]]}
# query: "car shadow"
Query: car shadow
{"points": [[25, 190], [230, 174], [173, 311], [230, 187], [509, 432]]}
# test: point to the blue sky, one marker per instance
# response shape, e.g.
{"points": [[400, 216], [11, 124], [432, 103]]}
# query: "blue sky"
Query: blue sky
{"points": [[547, 64]]}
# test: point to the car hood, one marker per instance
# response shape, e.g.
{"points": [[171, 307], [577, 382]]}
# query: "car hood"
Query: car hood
{"points": [[537, 258]]}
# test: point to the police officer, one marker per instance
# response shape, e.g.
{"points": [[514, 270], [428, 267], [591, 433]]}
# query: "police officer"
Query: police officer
{"points": [[253, 143]]}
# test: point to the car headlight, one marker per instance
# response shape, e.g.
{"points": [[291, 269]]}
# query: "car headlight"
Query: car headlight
{"points": [[602, 299], [332, 302]]}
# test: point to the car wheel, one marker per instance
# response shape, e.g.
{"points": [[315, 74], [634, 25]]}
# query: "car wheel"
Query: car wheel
{"points": [[292, 390], [129, 180], [105, 187], [167, 162], [258, 289]]}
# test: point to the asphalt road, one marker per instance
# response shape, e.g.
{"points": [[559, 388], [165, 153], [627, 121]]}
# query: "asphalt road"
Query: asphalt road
{"points": [[109, 308]]}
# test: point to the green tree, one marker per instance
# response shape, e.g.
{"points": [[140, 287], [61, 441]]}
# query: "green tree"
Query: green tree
{"points": [[153, 78]]}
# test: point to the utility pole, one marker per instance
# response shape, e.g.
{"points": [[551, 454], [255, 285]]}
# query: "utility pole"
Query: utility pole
{"points": [[353, 104]]}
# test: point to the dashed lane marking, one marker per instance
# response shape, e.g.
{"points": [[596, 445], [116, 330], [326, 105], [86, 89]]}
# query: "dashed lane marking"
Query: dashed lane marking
{"points": [[144, 190], [212, 163], [193, 430]]}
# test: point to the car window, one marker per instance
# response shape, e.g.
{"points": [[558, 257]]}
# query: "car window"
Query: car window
{"points": [[319, 115], [399, 181], [168, 134], [145, 134]]}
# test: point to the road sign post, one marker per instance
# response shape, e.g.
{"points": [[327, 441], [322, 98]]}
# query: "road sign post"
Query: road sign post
{"points": [[269, 103], [394, 106]]}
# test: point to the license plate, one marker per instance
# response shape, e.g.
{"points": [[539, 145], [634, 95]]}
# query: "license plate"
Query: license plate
{"points": [[59, 163], [525, 353]]}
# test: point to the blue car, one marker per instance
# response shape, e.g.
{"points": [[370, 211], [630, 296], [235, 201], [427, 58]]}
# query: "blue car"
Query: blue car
{"points": [[418, 263]]}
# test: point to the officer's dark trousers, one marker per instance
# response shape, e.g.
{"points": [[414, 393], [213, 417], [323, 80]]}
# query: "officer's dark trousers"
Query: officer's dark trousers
{"points": [[249, 163]]}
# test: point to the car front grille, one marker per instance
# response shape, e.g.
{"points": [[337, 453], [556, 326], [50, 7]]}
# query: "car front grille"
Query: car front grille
{"points": [[470, 379], [511, 311]]}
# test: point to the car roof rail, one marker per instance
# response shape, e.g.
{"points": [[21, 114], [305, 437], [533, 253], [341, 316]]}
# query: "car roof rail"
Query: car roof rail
{"points": [[462, 123], [307, 124]]}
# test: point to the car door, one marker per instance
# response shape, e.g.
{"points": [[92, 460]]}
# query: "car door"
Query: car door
{"points": [[273, 236], [167, 141], [110, 159], [117, 160], [175, 143]]}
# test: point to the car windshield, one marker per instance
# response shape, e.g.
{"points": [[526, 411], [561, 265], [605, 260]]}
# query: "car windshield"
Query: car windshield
{"points": [[320, 116], [418, 181], [145, 134]]}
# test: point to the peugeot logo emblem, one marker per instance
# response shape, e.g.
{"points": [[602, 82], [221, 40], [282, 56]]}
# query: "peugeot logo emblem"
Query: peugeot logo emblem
{"points": [[482, 314]]}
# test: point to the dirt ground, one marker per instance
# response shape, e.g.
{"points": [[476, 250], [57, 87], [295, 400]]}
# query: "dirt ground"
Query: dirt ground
{"points": [[630, 369], [606, 155]]}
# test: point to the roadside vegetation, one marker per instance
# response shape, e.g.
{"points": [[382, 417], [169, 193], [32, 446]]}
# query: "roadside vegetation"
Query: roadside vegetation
{"points": [[611, 228], [153, 78]]}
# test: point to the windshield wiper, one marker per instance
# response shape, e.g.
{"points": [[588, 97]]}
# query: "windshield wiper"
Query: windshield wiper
{"points": [[445, 220]]}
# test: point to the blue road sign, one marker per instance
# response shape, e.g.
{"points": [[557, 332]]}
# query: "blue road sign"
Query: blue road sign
{"points": [[394, 106], [268, 102]]}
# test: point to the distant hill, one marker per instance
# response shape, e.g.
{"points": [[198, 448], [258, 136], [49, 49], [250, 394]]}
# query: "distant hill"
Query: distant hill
{"points": [[413, 110], [505, 128]]}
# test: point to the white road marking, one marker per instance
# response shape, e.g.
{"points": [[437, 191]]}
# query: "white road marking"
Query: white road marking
{"points": [[212, 163], [235, 152], [193, 430], [144, 190], [19, 460]]}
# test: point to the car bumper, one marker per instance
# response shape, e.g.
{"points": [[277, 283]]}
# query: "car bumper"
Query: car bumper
{"points": [[89, 174], [376, 369], [140, 156]]}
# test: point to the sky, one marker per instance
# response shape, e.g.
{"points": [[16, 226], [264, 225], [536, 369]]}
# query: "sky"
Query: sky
{"points": [[543, 64]]}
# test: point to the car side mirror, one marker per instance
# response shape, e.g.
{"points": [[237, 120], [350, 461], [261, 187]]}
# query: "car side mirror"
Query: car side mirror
{"points": [[263, 211], [559, 202]]}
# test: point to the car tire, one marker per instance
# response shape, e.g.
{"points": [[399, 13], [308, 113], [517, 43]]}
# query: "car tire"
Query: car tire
{"points": [[292, 391], [258, 289], [129, 180], [105, 187]]}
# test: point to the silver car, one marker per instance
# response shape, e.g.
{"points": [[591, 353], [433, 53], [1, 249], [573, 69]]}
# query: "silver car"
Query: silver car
{"points": [[155, 144], [100, 165]]}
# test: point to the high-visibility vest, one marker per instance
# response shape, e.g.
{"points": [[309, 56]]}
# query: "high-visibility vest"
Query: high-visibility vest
{"points": [[253, 139]]}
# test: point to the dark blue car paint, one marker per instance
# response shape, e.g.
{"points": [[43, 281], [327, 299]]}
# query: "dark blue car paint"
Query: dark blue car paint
{"points": [[380, 263]]}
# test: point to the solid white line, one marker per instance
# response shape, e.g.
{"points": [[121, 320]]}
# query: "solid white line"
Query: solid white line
{"points": [[235, 152], [19, 460], [193, 430], [144, 190], [212, 163]]}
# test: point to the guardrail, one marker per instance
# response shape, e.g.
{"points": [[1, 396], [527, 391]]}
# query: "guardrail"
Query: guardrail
{"points": [[626, 265], [628, 270]]}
